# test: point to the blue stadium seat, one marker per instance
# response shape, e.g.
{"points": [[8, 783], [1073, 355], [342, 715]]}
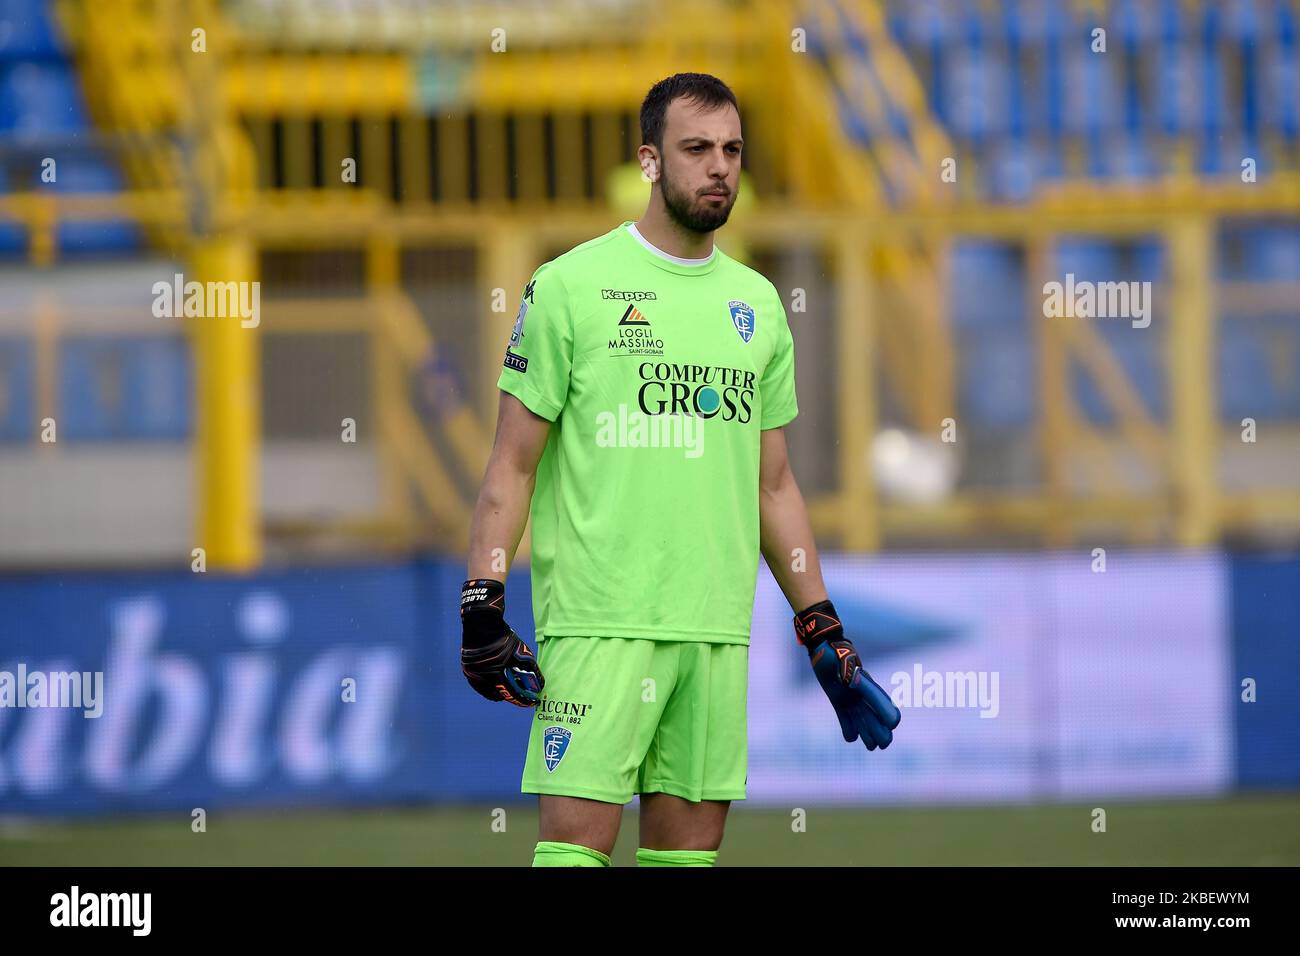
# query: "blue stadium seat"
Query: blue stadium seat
{"points": [[1124, 157], [83, 174], [1242, 21], [923, 23], [1172, 27], [1054, 21], [1147, 261], [158, 388], [977, 84], [1216, 114], [1283, 23], [1094, 260], [1047, 104], [997, 383], [986, 283], [13, 240], [1281, 81], [39, 100], [114, 388], [17, 390], [1255, 373], [26, 31], [1139, 353], [1178, 93], [1275, 252], [1014, 169], [1252, 84], [1135, 22]]}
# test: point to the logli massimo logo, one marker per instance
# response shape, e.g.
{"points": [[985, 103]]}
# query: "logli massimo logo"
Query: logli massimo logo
{"points": [[706, 391], [635, 336]]}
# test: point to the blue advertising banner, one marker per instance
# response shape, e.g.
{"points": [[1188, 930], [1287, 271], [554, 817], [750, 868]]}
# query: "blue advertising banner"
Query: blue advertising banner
{"points": [[309, 686], [1266, 647], [1020, 678]]}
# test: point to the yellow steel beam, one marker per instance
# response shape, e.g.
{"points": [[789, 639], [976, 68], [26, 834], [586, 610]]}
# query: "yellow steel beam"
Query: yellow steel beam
{"points": [[226, 357], [1190, 358], [509, 256], [334, 84], [1054, 412], [855, 320]]}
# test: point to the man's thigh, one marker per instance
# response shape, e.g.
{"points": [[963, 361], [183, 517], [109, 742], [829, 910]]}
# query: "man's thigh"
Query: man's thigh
{"points": [[669, 822]]}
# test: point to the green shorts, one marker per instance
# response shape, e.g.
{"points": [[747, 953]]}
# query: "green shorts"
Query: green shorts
{"points": [[621, 716]]}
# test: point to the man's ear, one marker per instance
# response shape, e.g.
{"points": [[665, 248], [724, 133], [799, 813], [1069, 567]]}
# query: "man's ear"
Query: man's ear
{"points": [[650, 168]]}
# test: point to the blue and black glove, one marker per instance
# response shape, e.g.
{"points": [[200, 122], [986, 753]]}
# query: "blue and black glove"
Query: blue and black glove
{"points": [[496, 662], [863, 707]]}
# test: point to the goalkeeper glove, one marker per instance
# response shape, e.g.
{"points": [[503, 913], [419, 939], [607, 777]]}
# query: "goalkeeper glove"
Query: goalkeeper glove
{"points": [[863, 707], [497, 664]]}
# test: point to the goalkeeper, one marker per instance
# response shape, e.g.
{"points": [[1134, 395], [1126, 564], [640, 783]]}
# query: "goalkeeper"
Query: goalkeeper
{"points": [[645, 388]]}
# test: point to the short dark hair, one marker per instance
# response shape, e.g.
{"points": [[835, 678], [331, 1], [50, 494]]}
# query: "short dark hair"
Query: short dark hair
{"points": [[707, 91]]}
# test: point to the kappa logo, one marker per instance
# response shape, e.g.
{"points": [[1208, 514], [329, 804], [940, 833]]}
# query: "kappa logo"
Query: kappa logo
{"points": [[743, 318], [618, 294], [555, 741]]}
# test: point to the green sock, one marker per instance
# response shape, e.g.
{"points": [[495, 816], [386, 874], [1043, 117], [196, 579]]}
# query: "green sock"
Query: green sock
{"points": [[646, 857], [567, 854]]}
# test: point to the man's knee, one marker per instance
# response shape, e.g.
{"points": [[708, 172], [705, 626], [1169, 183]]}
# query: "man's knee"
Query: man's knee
{"points": [[579, 821]]}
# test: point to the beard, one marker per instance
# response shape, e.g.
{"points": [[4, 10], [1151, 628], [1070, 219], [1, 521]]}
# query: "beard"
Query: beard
{"points": [[690, 211]]}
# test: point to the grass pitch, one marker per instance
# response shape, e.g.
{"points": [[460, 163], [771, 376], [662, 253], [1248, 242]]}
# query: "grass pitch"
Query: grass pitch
{"points": [[1235, 831]]}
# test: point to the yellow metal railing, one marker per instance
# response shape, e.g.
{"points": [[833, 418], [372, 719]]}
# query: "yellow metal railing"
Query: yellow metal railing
{"points": [[1182, 502], [199, 134]]}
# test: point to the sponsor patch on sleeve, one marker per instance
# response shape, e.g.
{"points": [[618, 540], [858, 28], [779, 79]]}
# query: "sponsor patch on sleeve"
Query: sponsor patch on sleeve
{"points": [[518, 332], [516, 362]]}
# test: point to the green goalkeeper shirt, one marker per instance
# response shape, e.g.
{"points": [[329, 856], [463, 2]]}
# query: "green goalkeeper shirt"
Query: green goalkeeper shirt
{"points": [[659, 374]]}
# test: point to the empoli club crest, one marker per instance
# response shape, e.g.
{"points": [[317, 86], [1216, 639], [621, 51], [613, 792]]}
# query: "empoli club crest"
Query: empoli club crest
{"points": [[742, 317], [555, 741]]}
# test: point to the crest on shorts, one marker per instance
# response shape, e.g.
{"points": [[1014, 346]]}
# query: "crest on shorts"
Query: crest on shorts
{"points": [[742, 317], [555, 741]]}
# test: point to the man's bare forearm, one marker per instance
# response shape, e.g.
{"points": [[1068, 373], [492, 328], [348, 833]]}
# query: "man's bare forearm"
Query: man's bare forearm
{"points": [[787, 542], [501, 513], [500, 517]]}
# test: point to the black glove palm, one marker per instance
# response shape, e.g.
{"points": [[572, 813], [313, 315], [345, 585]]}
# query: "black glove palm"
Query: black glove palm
{"points": [[497, 664]]}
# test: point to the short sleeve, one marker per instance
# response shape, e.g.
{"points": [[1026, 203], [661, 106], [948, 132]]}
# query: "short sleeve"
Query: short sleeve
{"points": [[776, 387], [539, 356]]}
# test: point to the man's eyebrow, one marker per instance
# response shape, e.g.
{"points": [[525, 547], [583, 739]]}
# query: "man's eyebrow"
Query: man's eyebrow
{"points": [[686, 141]]}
